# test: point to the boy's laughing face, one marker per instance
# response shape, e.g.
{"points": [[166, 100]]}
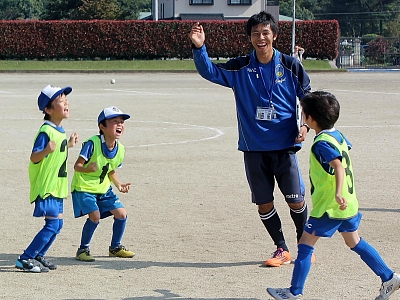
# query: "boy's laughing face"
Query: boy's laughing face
{"points": [[114, 127]]}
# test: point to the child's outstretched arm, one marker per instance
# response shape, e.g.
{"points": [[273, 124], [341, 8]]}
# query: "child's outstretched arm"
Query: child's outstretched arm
{"points": [[122, 187], [336, 164], [73, 139], [39, 155]]}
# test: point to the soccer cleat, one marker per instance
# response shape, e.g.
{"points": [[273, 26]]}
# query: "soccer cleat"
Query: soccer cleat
{"points": [[30, 265], [83, 254], [283, 294], [279, 257], [120, 251], [313, 258], [46, 263], [389, 287]]}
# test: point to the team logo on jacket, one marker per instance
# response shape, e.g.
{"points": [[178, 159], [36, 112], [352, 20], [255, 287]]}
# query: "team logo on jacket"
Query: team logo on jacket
{"points": [[279, 72]]}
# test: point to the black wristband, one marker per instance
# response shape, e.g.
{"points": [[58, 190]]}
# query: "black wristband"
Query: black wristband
{"points": [[305, 125]]}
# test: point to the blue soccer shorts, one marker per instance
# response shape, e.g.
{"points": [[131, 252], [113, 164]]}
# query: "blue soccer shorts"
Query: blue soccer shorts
{"points": [[85, 203], [48, 207], [326, 227]]}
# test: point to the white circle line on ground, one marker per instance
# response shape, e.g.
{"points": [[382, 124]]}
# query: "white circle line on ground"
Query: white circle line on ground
{"points": [[217, 134]]}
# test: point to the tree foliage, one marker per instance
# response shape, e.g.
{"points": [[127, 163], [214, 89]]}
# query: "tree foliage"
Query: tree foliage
{"points": [[99, 10], [72, 9], [302, 12]]}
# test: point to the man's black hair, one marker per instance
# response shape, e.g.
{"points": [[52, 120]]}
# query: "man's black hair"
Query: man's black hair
{"points": [[264, 18]]}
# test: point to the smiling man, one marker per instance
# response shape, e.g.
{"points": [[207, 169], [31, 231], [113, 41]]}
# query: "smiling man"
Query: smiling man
{"points": [[267, 85]]}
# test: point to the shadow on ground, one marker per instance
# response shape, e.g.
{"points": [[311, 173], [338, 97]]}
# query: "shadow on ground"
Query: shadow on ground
{"points": [[166, 294], [7, 262]]}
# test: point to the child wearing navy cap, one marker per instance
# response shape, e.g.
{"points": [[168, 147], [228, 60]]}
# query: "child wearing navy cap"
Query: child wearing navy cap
{"points": [[92, 193], [48, 177]]}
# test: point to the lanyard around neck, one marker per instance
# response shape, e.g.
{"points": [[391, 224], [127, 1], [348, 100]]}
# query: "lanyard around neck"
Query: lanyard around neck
{"points": [[272, 80]]}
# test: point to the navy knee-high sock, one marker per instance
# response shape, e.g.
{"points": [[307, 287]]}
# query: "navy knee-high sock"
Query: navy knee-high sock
{"points": [[273, 224], [47, 247], [118, 231], [87, 233], [299, 217], [41, 239], [302, 267], [372, 258]]}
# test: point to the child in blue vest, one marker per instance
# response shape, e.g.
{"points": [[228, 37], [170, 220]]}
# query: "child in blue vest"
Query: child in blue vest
{"points": [[335, 205], [92, 193], [48, 177]]}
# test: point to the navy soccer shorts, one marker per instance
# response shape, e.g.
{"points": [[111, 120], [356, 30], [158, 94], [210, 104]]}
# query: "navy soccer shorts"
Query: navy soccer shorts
{"points": [[263, 168]]}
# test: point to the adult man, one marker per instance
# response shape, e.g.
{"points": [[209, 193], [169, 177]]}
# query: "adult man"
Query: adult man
{"points": [[266, 84]]}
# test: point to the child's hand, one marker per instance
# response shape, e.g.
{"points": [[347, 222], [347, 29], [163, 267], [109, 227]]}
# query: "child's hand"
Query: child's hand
{"points": [[73, 140], [302, 135], [342, 202], [92, 167], [124, 187], [51, 146]]}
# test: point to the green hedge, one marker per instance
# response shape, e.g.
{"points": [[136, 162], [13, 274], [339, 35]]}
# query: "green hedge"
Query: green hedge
{"points": [[150, 40]]}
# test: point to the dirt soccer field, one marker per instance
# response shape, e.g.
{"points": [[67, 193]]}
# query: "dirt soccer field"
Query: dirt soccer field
{"points": [[191, 222]]}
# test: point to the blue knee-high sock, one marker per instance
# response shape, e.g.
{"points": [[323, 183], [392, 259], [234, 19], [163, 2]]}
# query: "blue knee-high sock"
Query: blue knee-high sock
{"points": [[41, 239], [87, 233], [118, 231], [301, 269], [47, 247], [372, 258]]}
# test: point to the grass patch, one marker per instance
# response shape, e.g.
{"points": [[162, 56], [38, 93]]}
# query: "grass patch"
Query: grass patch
{"points": [[123, 65]]}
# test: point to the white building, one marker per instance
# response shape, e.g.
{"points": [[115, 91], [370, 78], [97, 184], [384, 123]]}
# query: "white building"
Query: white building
{"points": [[211, 9]]}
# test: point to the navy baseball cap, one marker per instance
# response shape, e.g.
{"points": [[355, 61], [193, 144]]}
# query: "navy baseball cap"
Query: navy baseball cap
{"points": [[111, 112], [49, 93]]}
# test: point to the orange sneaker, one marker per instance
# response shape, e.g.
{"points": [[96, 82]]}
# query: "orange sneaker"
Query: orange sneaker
{"points": [[279, 257], [313, 258]]}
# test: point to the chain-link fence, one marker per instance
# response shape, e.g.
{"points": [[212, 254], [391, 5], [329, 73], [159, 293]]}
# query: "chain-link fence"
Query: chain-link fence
{"points": [[369, 52]]}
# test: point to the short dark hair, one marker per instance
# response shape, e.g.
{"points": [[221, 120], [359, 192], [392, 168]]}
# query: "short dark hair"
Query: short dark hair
{"points": [[323, 107], [264, 18], [104, 124], [46, 115]]}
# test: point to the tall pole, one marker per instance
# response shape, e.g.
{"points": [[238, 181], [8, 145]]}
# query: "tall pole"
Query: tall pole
{"points": [[293, 26], [155, 17]]}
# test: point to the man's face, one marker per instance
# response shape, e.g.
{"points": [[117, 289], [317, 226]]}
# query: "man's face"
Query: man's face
{"points": [[262, 38]]}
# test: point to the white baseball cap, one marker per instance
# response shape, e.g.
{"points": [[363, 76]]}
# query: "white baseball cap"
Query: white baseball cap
{"points": [[111, 112], [49, 93]]}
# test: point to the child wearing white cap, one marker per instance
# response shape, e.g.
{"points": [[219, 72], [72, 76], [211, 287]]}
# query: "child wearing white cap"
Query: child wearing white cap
{"points": [[48, 177], [92, 193]]}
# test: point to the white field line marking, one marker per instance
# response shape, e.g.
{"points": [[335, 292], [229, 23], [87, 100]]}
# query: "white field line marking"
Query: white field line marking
{"points": [[217, 133], [137, 92], [368, 126], [5, 92], [364, 92]]}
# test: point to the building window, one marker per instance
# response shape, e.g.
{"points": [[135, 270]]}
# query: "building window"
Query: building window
{"points": [[239, 2], [201, 2]]}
